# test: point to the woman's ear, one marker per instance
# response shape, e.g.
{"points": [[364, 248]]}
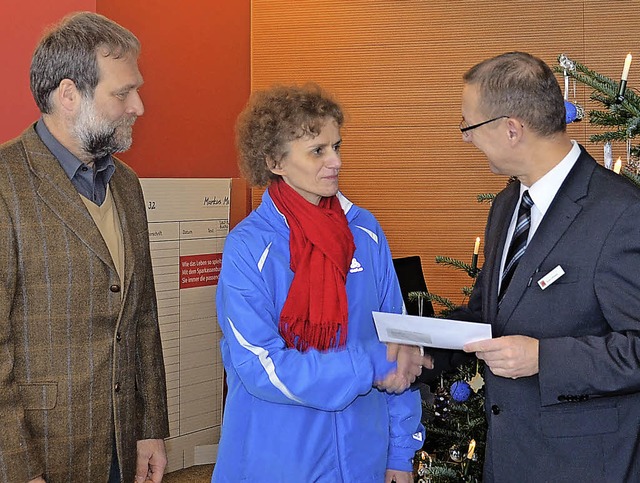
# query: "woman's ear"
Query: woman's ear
{"points": [[274, 166]]}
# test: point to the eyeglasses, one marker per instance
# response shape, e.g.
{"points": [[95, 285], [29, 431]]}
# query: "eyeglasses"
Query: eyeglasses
{"points": [[464, 127]]}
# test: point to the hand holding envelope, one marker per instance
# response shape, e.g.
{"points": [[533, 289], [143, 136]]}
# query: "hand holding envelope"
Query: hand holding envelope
{"points": [[510, 356]]}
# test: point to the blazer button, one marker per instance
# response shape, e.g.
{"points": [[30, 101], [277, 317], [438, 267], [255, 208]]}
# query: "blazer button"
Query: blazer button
{"points": [[562, 398], [116, 387], [118, 336], [495, 409], [115, 288]]}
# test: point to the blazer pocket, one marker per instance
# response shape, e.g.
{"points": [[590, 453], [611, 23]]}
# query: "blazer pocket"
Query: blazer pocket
{"points": [[571, 274], [582, 421], [39, 396]]}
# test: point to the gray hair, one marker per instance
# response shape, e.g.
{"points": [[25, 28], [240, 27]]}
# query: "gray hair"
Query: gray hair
{"points": [[517, 84], [69, 51]]}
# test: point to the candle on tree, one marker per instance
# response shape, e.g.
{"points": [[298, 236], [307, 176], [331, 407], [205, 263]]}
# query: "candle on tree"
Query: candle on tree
{"points": [[627, 66], [471, 449], [617, 166], [474, 259], [623, 78]]}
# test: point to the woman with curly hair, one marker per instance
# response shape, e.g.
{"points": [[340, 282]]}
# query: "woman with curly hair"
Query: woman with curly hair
{"points": [[312, 396]]}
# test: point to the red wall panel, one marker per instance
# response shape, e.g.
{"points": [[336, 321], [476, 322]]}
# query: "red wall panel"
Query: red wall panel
{"points": [[196, 64], [21, 25]]}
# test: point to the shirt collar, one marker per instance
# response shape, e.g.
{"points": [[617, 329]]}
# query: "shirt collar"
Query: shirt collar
{"points": [[544, 190], [70, 163]]}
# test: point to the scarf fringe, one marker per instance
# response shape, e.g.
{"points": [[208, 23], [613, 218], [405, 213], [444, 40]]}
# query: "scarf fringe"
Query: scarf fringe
{"points": [[302, 335]]}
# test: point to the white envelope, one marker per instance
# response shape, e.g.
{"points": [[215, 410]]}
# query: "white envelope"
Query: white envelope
{"points": [[428, 331]]}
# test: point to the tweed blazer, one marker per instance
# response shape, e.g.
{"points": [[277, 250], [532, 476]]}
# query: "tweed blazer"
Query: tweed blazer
{"points": [[577, 419], [80, 352]]}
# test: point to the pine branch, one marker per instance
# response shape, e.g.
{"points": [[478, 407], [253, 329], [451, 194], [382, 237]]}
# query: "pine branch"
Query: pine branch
{"points": [[443, 472], [601, 118], [486, 197], [445, 302], [413, 296], [616, 114], [609, 136], [635, 178], [604, 100], [457, 264]]}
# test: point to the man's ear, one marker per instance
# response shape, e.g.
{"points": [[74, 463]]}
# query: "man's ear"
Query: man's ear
{"points": [[514, 129], [67, 95]]}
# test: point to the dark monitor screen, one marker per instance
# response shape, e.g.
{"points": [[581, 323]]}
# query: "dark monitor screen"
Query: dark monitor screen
{"points": [[411, 278]]}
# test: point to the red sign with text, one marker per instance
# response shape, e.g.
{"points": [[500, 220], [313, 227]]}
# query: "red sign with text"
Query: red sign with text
{"points": [[200, 270]]}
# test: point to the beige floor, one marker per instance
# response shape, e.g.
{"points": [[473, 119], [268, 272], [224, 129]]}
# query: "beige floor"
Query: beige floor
{"points": [[195, 474]]}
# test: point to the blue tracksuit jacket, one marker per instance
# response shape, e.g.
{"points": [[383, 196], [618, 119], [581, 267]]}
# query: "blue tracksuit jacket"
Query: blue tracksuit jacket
{"points": [[314, 416]]}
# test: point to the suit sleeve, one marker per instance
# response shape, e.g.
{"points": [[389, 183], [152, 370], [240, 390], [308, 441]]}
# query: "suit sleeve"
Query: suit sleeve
{"points": [[19, 456], [151, 393], [269, 370], [603, 364]]}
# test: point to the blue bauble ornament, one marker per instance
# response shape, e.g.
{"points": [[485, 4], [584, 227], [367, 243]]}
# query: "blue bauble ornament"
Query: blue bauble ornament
{"points": [[572, 111], [460, 391]]}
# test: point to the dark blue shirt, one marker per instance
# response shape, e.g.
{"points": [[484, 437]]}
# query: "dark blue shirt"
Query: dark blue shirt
{"points": [[90, 182]]}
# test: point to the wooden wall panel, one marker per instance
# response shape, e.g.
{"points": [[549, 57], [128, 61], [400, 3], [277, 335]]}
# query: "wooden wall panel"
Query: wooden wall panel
{"points": [[397, 66]]}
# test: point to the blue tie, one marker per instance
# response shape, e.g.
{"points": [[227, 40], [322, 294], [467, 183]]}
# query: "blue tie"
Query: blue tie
{"points": [[518, 242]]}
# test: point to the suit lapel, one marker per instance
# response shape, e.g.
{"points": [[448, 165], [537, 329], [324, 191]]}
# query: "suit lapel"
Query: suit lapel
{"points": [[561, 214], [57, 192], [121, 200], [499, 226]]}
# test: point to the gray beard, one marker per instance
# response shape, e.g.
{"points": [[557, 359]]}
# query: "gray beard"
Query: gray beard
{"points": [[99, 137], [100, 144]]}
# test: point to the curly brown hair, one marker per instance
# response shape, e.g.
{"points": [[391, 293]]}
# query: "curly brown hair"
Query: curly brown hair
{"points": [[274, 117]]}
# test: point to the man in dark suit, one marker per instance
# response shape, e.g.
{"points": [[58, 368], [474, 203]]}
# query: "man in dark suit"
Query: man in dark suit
{"points": [[563, 368], [82, 383]]}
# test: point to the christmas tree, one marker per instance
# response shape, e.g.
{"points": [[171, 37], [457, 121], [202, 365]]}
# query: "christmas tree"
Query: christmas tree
{"points": [[456, 429], [453, 414], [619, 116]]}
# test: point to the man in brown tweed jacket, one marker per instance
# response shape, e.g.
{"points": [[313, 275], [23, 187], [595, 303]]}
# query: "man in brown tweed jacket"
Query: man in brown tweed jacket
{"points": [[82, 383]]}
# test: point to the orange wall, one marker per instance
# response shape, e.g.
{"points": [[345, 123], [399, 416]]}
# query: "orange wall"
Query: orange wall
{"points": [[21, 25], [196, 64]]}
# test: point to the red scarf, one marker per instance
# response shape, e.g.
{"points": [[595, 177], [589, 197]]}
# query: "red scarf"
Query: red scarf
{"points": [[316, 311]]}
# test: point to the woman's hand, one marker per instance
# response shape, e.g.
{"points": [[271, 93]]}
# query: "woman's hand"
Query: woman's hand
{"points": [[396, 476], [410, 360]]}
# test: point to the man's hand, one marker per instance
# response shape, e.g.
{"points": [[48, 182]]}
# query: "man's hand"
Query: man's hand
{"points": [[409, 366], [151, 460], [509, 356], [427, 361], [396, 476]]}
